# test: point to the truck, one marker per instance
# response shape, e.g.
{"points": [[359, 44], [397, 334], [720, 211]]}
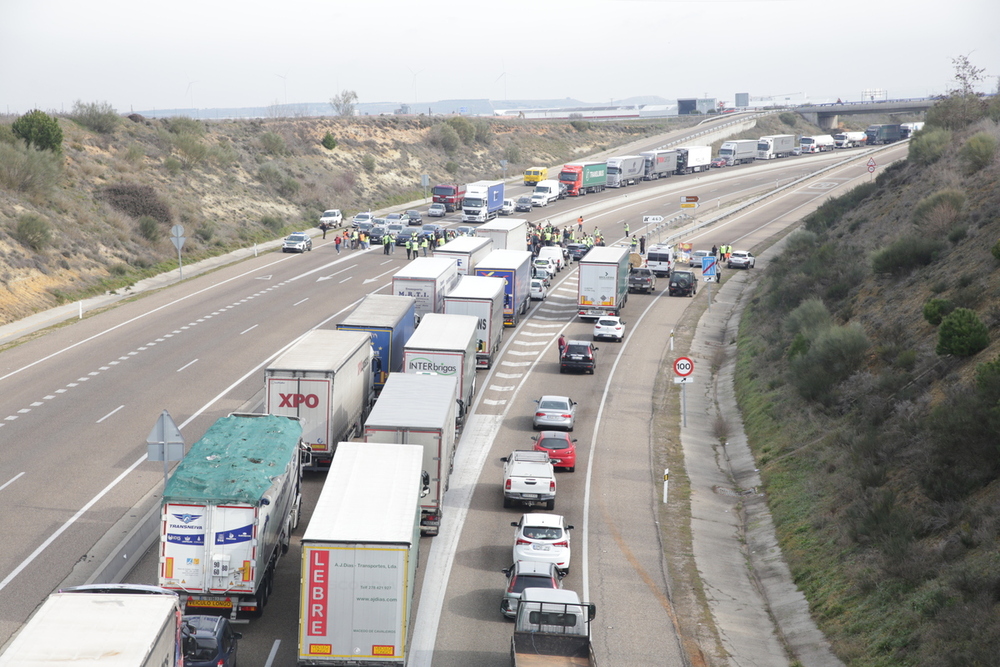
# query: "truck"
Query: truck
{"points": [[533, 175], [602, 285], [389, 320], [421, 410], [509, 234], [514, 266], [467, 251], [452, 195], [550, 188], [625, 170], [228, 512], [132, 626], [775, 146], [849, 139], [445, 345], [528, 479], [359, 558], [325, 380], [818, 143], [659, 163], [692, 159], [552, 627], [483, 201], [583, 177], [427, 280], [883, 134], [738, 151], [481, 298], [906, 130]]}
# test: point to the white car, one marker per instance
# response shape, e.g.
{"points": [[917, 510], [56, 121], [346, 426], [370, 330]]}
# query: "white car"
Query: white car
{"points": [[297, 242], [544, 275], [539, 199], [547, 264], [331, 218], [543, 538], [537, 291], [437, 211], [741, 259], [695, 260], [609, 326], [508, 207], [365, 216]]}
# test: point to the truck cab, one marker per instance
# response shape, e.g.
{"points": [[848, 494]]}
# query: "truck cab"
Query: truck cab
{"points": [[555, 623]]}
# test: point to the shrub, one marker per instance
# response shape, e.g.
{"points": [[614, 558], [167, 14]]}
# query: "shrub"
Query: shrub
{"points": [[270, 175], [787, 117], [289, 187], [512, 154], [272, 222], [995, 250], [135, 201], [173, 165], [452, 168], [978, 152], [955, 112], [26, 169], [832, 357], [185, 125], [905, 255], [192, 148], [7, 135], [580, 125], [150, 229], [329, 142], [936, 309], [958, 234], [205, 231], [445, 137], [927, 146], [40, 130], [484, 132], [942, 206], [809, 318], [98, 117], [464, 128], [832, 210], [368, 162], [134, 153], [34, 232], [962, 334], [272, 144]]}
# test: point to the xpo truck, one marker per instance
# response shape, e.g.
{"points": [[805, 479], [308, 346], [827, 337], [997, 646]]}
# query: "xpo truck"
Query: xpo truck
{"points": [[514, 266], [113, 624], [658, 164], [467, 251], [445, 345], [359, 558], [324, 379], [481, 298], [775, 146], [583, 177], [389, 321], [420, 410], [228, 513], [483, 201], [602, 287], [625, 170], [509, 234], [427, 280], [738, 151], [692, 159]]}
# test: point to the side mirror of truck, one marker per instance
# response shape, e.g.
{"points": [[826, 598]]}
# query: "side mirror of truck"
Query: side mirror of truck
{"points": [[591, 611], [504, 459], [425, 484]]}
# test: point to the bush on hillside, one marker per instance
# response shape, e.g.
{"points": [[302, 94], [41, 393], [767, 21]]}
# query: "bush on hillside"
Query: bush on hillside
{"points": [[962, 334], [943, 203], [995, 250], [809, 318], [451, 167], [927, 146], [832, 210], [150, 229], [834, 355], [444, 137], [368, 163], [906, 254], [272, 222], [191, 147], [512, 154], [26, 169], [580, 125], [184, 125], [484, 131], [464, 128], [329, 142], [272, 144], [135, 201], [34, 232], [788, 118], [936, 309], [40, 130], [98, 117], [978, 152], [955, 112], [7, 135]]}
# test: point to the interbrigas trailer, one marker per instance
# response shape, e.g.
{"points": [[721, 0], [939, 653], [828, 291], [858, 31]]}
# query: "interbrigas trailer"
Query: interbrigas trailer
{"points": [[359, 558], [445, 345], [389, 321]]}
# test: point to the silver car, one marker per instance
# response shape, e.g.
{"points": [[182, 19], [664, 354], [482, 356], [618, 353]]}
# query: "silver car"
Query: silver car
{"points": [[527, 574], [554, 412]]}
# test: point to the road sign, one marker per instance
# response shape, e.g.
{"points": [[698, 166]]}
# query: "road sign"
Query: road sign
{"points": [[683, 366], [871, 166], [708, 266], [689, 199], [165, 440], [684, 380], [652, 219], [689, 205]]}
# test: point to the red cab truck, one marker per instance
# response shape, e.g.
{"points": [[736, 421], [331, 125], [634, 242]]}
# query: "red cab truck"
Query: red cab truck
{"points": [[450, 194], [584, 177]]}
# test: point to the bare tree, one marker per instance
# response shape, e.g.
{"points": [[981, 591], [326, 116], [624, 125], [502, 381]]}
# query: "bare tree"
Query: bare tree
{"points": [[343, 102]]}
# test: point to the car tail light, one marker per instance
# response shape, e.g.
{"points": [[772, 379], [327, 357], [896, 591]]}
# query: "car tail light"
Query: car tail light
{"points": [[507, 485], [521, 541], [552, 486], [539, 414], [566, 416], [564, 543]]}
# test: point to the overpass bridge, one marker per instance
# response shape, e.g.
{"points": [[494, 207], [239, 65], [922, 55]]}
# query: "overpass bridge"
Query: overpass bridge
{"points": [[826, 115]]}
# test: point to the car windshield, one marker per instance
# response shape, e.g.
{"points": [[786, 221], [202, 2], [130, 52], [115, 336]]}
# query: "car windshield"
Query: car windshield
{"points": [[553, 405], [330, 214], [524, 200], [393, 216], [554, 443], [430, 228], [608, 323], [681, 274], [296, 237], [530, 581], [542, 533], [578, 349]]}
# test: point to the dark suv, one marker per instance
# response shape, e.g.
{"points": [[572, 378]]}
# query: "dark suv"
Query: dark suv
{"points": [[209, 641], [579, 356], [683, 283]]}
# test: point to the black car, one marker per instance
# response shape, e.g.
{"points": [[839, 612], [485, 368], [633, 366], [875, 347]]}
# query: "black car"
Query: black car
{"points": [[579, 355], [430, 230], [577, 250], [209, 641], [683, 283], [415, 217], [405, 234], [523, 204]]}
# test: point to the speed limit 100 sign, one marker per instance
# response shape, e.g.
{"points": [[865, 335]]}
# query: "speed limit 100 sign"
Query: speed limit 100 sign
{"points": [[683, 366]]}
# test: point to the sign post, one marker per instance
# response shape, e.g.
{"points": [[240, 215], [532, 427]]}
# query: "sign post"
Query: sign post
{"points": [[666, 484], [177, 238], [689, 201], [683, 368], [871, 167], [165, 443]]}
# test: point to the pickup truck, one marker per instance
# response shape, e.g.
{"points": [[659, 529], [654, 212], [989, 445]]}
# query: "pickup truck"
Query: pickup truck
{"points": [[529, 479], [641, 279], [552, 628]]}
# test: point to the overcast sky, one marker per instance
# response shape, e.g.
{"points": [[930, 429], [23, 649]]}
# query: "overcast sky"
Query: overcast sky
{"points": [[142, 55]]}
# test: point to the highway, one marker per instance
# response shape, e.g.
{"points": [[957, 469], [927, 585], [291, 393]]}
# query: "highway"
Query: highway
{"points": [[77, 404]]}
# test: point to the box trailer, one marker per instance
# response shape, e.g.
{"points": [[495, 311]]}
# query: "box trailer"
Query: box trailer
{"points": [[466, 251], [445, 345], [602, 286], [625, 170], [583, 177], [775, 146], [738, 151], [509, 234], [481, 298], [514, 266], [692, 159], [228, 512], [427, 280], [421, 410], [359, 558], [658, 164], [883, 134], [483, 201], [124, 626], [324, 379], [389, 321]]}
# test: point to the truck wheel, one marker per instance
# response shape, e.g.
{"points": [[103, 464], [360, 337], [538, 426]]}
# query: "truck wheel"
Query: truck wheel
{"points": [[507, 504], [550, 504]]}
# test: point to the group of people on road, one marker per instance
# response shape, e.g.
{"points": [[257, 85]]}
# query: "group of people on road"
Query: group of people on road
{"points": [[722, 252]]}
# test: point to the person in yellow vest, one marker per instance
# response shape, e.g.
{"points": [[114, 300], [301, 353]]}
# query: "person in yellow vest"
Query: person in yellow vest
{"points": [[424, 243]]}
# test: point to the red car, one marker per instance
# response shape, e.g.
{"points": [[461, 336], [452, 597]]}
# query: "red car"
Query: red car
{"points": [[560, 448], [720, 162]]}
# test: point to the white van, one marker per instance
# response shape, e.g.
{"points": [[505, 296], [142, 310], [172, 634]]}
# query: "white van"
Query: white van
{"points": [[553, 254], [549, 188]]}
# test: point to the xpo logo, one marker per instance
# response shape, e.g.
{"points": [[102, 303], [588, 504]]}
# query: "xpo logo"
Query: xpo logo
{"points": [[295, 400]]}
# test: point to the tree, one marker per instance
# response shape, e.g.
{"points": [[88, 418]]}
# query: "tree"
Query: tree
{"points": [[100, 117], [962, 333], [963, 105], [343, 102], [40, 130]]}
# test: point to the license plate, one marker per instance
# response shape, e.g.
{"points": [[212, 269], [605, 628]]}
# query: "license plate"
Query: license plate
{"points": [[529, 495], [216, 604], [540, 547]]}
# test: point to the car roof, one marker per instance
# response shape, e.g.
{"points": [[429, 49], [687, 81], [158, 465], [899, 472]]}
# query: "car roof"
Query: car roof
{"points": [[204, 623], [553, 434], [555, 398], [579, 342], [533, 567], [539, 519]]}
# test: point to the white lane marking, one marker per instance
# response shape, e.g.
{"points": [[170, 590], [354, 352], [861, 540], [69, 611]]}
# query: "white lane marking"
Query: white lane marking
{"points": [[496, 387], [302, 301], [11, 481], [508, 376], [110, 413], [515, 363], [273, 653], [193, 361], [346, 279], [541, 333], [543, 326], [526, 353], [490, 401], [531, 342], [250, 329], [35, 404]]}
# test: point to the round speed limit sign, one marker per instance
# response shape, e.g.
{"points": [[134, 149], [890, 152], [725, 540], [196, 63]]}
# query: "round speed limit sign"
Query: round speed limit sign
{"points": [[683, 366]]}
